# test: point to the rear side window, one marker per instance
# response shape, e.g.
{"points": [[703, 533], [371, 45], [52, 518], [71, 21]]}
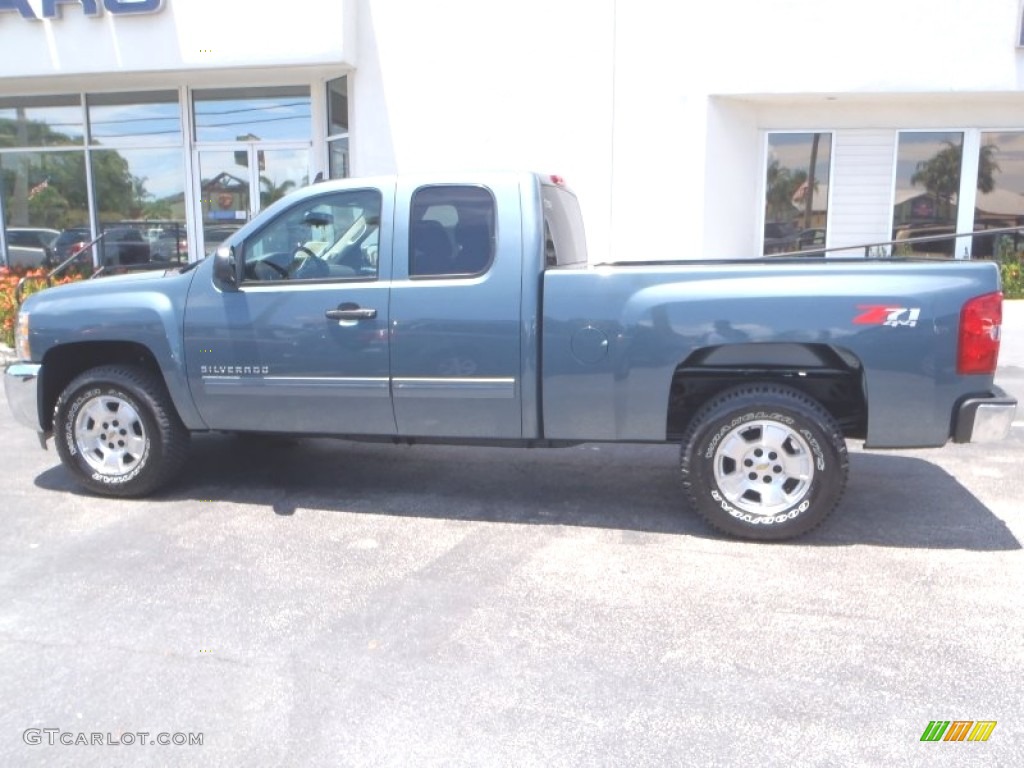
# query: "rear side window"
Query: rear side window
{"points": [[451, 231], [564, 240]]}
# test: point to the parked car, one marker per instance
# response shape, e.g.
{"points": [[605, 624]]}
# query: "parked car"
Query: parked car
{"points": [[123, 245], [167, 244], [780, 237], [217, 234], [70, 242], [811, 242], [941, 247], [36, 238]]}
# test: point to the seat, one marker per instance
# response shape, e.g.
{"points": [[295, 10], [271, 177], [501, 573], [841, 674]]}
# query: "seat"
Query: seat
{"points": [[430, 249], [473, 248]]}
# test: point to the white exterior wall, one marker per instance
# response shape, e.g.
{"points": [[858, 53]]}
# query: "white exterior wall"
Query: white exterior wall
{"points": [[453, 84], [655, 112], [184, 35]]}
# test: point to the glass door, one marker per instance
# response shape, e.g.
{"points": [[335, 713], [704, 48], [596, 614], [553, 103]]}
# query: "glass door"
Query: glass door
{"points": [[238, 181]]}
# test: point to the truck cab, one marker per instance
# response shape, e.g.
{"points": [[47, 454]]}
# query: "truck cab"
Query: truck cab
{"points": [[385, 307]]}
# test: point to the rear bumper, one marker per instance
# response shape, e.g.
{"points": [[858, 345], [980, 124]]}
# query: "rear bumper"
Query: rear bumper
{"points": [[21, 383], [984, 419]]}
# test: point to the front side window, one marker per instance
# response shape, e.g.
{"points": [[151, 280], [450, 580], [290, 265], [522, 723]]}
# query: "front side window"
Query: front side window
{"points": [[451, 231], [796, 191], [331, 236]]}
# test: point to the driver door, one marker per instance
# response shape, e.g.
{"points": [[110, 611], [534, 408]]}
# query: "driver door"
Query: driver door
{"points": [[302, 346]]}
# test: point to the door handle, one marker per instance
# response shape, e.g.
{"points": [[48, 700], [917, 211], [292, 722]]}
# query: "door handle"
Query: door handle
{"points": [[349, 311]]}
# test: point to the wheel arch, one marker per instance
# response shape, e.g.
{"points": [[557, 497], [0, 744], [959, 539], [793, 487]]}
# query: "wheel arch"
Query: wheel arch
{"points": [[831, 375], [62, 363]]}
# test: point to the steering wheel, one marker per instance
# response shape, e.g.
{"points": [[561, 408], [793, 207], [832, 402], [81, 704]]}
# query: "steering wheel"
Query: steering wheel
{"points": [[300, 265], [274, 266]]}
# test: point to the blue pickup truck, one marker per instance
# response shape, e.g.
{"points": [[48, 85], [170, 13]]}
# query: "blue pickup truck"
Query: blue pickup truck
{"points": [[463, 310]]}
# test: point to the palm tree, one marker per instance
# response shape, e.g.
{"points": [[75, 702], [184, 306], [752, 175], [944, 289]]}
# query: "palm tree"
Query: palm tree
{"points": [[781, 184], [940, 174], [269, 192]]}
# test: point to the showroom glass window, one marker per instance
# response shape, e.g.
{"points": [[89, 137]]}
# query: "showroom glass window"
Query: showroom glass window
{"points": [[279, 113], [999, 202], [136, 159], [927, 189], [796, 191], [337, 128], [42, 174], [254, 148]]}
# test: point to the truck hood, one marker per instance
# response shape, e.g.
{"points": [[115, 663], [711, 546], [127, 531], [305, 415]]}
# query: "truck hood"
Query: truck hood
{"points": [[104, 285]]}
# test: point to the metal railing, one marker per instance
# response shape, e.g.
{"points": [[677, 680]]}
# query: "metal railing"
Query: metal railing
{"points": [[887, 249], [99, 271]]}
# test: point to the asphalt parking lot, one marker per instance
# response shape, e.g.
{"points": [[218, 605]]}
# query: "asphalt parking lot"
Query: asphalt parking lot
{"points": [[330, 603]]}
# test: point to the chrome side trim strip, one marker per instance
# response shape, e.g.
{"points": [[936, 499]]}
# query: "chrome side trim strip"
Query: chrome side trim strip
{"points": [[469, 388], [343, 386]]}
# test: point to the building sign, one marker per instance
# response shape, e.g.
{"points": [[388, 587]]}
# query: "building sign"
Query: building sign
{"points": [[51, 9]]}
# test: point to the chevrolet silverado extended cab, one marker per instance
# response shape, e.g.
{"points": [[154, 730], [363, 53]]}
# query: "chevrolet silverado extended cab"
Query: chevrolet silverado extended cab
{"points": [[463, 310]]}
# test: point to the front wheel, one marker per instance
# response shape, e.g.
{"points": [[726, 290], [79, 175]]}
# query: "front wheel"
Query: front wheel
{"points": [[116, 430], [764, 461]]}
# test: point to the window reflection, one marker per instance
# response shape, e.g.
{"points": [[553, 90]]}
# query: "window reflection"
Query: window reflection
{"points": [[249, 114], [282, 171], [134, 119], [140, 196], [1000, 198], [337, 106], [41, 121], [224, 189], [44, 188], [927, 190], [796, 192], [338, 158]]}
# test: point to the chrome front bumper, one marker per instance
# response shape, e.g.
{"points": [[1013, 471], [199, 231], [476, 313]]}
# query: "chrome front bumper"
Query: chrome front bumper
{"points": [[984, 419], [21, 382]]}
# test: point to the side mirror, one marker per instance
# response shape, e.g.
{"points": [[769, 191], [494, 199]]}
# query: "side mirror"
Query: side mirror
{"points": [[225, 268]]}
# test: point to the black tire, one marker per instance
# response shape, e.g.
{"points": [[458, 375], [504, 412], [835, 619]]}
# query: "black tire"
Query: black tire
{"points": [[764, 462], [117, 431]]}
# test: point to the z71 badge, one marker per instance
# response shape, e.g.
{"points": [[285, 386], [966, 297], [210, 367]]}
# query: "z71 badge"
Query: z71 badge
{"points": [[881, 314]]}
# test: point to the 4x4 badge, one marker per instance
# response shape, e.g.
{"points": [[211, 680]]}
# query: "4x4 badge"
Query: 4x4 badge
{"points": [[882, 314]]}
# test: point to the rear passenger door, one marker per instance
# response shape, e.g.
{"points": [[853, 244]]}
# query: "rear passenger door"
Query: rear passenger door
{"points": [[455, 311]]}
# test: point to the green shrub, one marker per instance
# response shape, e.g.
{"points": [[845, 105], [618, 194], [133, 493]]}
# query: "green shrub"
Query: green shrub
{"points": [[1013, 280]]}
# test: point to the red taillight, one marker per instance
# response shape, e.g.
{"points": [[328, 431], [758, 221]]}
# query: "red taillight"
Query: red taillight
{"points": [[557, 180], [978, 345]]}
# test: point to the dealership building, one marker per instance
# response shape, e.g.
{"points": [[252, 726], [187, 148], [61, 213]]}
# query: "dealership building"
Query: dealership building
{"points": [[704, 130]]}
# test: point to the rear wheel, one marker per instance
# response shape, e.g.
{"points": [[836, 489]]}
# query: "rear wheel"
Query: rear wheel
{"points": [[116, 430], [764, 461]]}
